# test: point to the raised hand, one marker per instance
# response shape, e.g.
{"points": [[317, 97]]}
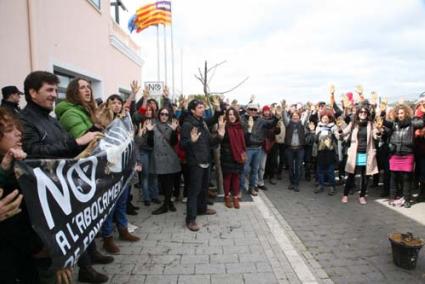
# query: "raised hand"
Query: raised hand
{"points": [[379, 122], [9, 205], [339, 122], [383, 105], [142, 130], [311, 126], [174, 124], [146, 92], [194, 135], [166, 92], [221, 126], [251, 99], [283, 104], [215, 102], [135, 87], [332, 89]]}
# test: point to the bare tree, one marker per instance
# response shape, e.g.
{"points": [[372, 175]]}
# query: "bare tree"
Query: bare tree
{"points": [[206, 77]]}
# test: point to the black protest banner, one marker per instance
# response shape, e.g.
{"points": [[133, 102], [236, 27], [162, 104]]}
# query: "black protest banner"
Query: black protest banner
{"points": [[69, 199]]}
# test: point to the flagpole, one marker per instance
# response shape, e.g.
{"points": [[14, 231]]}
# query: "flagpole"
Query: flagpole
{"points": [[172, 60], [165, 53], [181, 70], [158, 68]]}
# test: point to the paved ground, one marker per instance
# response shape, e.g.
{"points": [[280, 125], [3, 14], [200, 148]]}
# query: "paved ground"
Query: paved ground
{"points": [[280, 237], [350, 241], [248, 245]]}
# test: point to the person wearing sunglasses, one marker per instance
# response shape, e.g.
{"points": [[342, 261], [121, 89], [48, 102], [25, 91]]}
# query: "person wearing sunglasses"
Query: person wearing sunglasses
{"points": [[165, 163], [361, 134]]}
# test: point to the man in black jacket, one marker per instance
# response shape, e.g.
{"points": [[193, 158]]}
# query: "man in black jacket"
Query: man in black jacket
{"points": [[44, 137], [11, 97], [197, 141]]}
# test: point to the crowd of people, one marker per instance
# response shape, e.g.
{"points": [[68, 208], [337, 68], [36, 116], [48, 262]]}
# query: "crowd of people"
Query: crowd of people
{"points": [[184, 148]]}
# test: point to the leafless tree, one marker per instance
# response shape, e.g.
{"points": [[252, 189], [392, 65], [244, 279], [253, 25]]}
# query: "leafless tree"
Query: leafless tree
{"points": [[206, 77]]}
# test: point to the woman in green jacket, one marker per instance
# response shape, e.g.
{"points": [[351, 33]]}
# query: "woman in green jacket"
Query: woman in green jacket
{"points": [[77, 113]]}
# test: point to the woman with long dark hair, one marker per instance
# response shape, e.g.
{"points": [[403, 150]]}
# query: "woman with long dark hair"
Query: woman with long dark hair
{"points": [[361, 152], [165, 163], [77, 113], [233, 157]]}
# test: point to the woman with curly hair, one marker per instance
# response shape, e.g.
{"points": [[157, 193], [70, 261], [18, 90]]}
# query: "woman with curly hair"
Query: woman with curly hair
{"points": [[401, 147], [361, 153]]}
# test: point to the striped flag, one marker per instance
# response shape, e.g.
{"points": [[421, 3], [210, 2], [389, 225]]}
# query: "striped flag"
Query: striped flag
{"points": [[151, 14]]}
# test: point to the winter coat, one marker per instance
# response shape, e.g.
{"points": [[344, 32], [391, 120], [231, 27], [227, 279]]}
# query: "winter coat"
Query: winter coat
{"points": [[199, 152], [74, 118], [291, 126], [12, 107], [259, 130], [402, 135], [44, 137], [164, 159], [371, 163], [228, 163], [326, 143]]}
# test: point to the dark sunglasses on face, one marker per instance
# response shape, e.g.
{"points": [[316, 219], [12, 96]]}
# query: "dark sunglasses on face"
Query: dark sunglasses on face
{"points": [[363, 111], [252, 109], [164, 114]]}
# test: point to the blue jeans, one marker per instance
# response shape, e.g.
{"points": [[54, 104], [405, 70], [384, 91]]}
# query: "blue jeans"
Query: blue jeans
{"points": [[326, 171], [250, 170], [295, 159], [120, 213], [149, 182]]}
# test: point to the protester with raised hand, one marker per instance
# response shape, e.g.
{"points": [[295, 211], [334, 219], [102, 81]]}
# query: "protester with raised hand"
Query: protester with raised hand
{"points": [[326, 151], [255, 129], [233, 156], [197, 141], [361, 152], [165, 163], [401, 148], [295, 139], [44, 137]]}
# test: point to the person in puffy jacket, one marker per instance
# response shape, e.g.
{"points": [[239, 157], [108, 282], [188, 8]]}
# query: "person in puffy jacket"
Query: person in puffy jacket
{"points": [[401, 146], [77, 113]]}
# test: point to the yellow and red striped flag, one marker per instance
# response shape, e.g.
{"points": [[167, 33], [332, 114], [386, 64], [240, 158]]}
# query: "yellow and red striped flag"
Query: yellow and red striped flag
{"points": [[151, 14]]}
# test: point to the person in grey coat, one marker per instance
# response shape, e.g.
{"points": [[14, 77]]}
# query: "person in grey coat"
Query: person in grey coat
{"points": [[163, 137]]}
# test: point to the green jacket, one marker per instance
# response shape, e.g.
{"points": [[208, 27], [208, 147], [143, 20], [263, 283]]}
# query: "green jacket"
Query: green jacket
{"points": [[74, 118]]}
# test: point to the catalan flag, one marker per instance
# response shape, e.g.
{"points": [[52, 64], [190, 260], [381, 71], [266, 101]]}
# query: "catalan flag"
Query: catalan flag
{"points": [[151, 14]]}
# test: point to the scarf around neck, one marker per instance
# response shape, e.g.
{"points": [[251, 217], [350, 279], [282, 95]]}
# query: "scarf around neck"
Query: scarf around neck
{"points": [[237, 141]]}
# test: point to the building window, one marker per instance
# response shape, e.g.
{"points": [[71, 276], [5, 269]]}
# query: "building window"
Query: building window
{"points": [[95, 3], [64, 80]]}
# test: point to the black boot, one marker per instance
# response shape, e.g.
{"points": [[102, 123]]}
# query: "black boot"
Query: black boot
{"points": [[98, 258], [87, 274], [171, 207], [161, 210]]}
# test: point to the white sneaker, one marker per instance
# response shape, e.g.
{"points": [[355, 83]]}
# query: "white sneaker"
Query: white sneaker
{"points": [[131, 228], [184, 199]]}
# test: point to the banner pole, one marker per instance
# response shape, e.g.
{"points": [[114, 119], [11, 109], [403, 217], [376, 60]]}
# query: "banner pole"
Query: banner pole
{"points": [[158, 68], [165, 54], [172, 60]]}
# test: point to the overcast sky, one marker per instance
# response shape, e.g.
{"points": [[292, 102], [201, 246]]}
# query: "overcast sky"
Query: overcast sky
{"points": [[294, 49]]}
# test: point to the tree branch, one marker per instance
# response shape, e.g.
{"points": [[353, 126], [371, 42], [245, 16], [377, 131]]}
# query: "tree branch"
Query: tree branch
{"points": [[232, 89]]}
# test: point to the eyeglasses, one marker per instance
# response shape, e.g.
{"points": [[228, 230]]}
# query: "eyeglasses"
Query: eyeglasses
{"points": [[164, 114], [252, 109], [363, 111]]}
